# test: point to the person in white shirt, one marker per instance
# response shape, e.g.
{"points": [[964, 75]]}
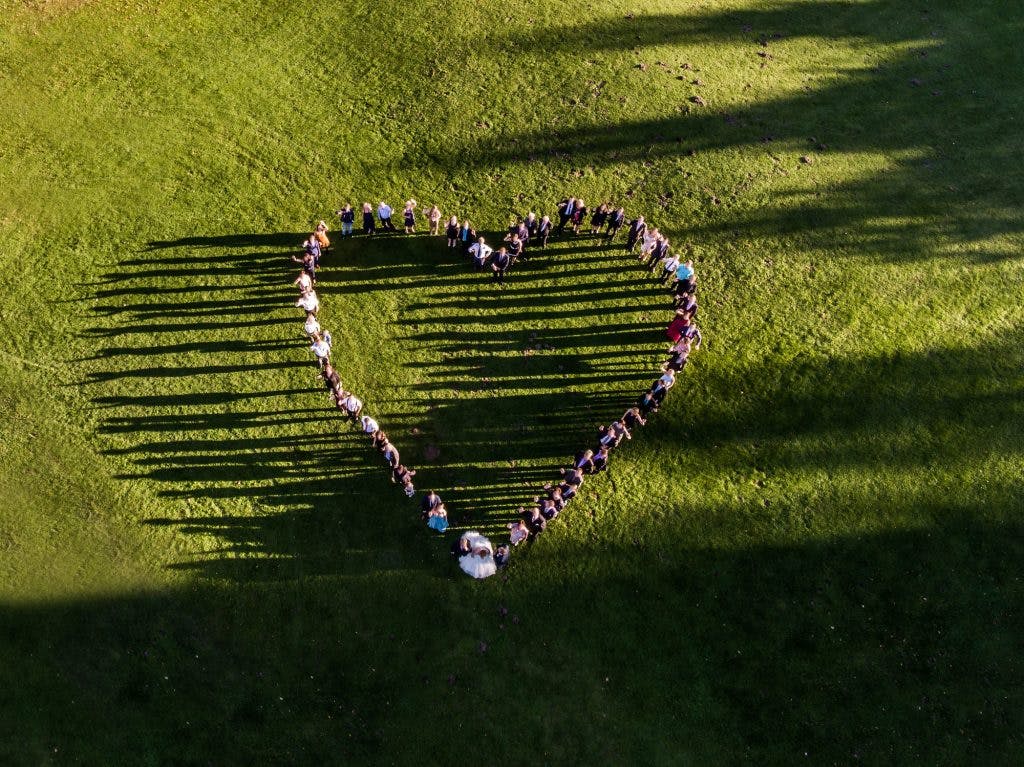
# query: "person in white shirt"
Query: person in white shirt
{"points": [[353, 406], [667, 381], [370, 426], [384, 214], [669, 264], [312, 327], [309, 302], [649, 241], [305, 282], [480, 251], [518, 532], [322, 349]]}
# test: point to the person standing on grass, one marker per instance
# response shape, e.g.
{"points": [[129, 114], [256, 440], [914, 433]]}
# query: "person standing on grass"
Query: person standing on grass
{"points": [[437, 518], [312, 327], [543, 232], [321, 350], [518, 532], [600, 216], [531, 222], [353, 406], [434, 218], [613, 434], [600, 462], [647, 403], [686, 278], [348, 218], [584, 460], [650, 239], [391, 455], [499, 263], [659, 253], [409, 216], [384, 214], [565, 211], [632, 418], [304, 282], [687, 304], [369, 426], [666, 382], [514, 248], [467, 235], [308, 261], [523, 231], [452, 232], [369, 226], [669, 264], [320, 235], [579, 215], [675, 329], [679, 355], [429, 502], [480, 251], [309, 302], [403, 476], [615, 221], [637, 229]]}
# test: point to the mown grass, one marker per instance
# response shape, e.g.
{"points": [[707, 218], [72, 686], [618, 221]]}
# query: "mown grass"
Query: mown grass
{"points": [[811, 553]]}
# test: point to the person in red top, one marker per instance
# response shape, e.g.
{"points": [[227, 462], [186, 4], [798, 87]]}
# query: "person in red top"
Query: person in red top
{"points": [[676, 327]]}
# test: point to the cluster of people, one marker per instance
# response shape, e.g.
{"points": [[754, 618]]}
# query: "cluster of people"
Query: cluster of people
{"points": [[320, 344], [475, 553], [655, 254], [382, 220]]}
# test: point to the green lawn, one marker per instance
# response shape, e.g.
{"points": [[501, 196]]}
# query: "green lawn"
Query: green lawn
{"points": [[812, 553]]}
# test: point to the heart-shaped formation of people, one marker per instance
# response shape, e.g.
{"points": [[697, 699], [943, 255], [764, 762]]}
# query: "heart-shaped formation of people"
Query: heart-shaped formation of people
{"points": [[476, 554]]}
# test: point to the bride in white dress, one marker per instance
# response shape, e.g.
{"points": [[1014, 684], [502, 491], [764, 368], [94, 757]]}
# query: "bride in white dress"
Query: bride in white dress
{"points": [[479, 561]]}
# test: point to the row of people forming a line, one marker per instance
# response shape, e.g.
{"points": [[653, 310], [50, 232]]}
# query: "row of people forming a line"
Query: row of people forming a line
{"points": [[385, 212], [686, 337], [345, 401]]}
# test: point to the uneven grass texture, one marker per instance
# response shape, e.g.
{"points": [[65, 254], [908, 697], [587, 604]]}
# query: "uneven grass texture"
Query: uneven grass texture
{"points": [[811, 554]]}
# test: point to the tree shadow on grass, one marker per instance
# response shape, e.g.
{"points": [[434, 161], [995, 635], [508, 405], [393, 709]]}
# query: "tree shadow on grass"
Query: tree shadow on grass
{"points": [[940, 110], [900, 647]]}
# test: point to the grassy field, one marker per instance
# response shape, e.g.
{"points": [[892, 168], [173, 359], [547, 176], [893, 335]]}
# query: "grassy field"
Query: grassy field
{"points": [[812, 553]]}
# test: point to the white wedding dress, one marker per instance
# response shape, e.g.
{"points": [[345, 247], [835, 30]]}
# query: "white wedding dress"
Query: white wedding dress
{"points": [[473, 564]]}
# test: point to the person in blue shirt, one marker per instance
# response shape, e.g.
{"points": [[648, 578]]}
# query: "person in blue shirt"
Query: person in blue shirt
{"points": [[686, 279]]}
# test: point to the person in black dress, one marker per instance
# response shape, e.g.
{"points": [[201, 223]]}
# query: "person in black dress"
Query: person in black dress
{"points": [[369, 224], [514, 248], [632, 418], [600, 216], [452, 232], [647, 403]]}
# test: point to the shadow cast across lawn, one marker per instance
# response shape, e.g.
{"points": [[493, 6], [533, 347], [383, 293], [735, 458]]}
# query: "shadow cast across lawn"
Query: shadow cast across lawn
{"points": [[898, 647], [941, 110]]}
